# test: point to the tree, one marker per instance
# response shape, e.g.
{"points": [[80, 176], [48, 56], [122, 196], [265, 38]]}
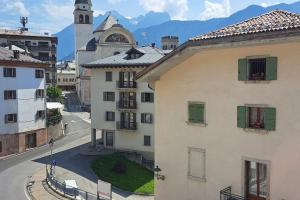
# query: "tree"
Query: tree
{"points": [[54, 94]]}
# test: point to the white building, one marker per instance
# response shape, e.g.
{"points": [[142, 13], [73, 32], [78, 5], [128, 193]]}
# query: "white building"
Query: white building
{"points": [[122, 109], [22, 102], [108, 39]]}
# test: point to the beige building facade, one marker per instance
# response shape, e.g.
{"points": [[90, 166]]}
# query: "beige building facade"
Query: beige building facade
{"points": [[226, 114]]}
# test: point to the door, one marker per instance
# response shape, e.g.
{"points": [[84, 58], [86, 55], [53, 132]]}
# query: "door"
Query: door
{"points": [[30, 141], [109, 139], [128, 99], [256, 180], [128, 120]]}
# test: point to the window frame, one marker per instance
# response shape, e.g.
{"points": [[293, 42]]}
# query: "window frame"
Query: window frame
{"points": [[105, 96], [109, 76], [8, 74], [15, 116], [110, 119], [200, 150], [204, 123], [13, 95], [144, 118], [39, 74], [40, 114], [151, 97], [38, 96], [147, 144]]}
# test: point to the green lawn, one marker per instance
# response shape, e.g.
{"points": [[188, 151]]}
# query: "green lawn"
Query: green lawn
{"points": [[137, 179]]}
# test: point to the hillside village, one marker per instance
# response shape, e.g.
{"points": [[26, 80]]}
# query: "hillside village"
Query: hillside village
{"points": [[210, 117]]}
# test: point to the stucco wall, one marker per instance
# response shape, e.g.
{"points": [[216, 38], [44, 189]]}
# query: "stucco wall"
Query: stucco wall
{"points": [[26, 105], [132, 140], [211, 76]]}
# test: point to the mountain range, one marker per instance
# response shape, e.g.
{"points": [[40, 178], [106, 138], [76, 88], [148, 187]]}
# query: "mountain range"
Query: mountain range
{"points": [[151, 27]]}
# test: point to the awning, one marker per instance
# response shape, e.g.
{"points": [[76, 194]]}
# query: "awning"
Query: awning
{"points": [[54, 105]]}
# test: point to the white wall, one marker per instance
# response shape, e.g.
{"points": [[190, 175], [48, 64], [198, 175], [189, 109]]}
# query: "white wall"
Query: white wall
{"points": [[133, 140], [26, 105]]}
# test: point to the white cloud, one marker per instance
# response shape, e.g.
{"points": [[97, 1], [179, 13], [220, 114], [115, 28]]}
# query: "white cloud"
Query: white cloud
{"points": [[215, 10], [98, 12], [14, 7], [59, 11], [176, 8], [113, 2], [264, 5]]}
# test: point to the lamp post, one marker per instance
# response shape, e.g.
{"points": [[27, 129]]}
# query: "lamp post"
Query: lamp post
{"points": [[158, 176], [51, 143]]}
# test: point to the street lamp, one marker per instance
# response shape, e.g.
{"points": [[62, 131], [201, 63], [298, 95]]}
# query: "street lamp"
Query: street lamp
{"points": [[158, 176], [51, 143]]}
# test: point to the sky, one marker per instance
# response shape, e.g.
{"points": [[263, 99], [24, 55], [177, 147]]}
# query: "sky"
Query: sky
{"points": [[53, 15]]}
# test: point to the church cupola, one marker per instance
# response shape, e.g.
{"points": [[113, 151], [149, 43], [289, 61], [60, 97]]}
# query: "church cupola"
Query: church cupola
{"points": [[83, 13]]}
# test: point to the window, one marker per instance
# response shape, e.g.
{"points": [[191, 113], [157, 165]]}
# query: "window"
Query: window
{"points": [[196, 113], [39, 73], [58, 79], [257, 117], [147, 97], [108, 76], [9, 72], [110, 116], [11, 118], [146, 118], [10, 94], [80, 18], [40, 114], [258, 69], [0, 146], [196, 164], [40, 93], [147, 140], [87, 19], [108, 96]]}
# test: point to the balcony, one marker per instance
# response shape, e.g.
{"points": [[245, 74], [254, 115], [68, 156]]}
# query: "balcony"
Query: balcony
{"points": [[130, 126], [126, 84], [39, 48], [131, 104], [227, 195]]}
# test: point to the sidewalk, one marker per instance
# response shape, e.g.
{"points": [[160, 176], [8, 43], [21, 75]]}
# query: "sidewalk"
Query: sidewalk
{"points": [[41, 191]]}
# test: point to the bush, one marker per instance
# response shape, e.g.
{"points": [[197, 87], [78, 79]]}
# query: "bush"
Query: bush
{"points": [[120, 167]]}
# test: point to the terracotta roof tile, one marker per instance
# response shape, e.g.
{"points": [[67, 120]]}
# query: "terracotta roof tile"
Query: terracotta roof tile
{"points": [[272, 21]]}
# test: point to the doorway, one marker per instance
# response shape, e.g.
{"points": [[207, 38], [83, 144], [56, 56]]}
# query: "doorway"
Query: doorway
{"points": [[109, 139], [30, 141], [256, 180]]}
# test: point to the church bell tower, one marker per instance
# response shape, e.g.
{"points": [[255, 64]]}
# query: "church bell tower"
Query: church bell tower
{"points": [[83, 22]]}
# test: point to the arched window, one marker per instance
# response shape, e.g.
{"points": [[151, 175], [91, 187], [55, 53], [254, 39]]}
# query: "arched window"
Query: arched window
{"points": [[87, 19], [117, 37], [80, 18]]}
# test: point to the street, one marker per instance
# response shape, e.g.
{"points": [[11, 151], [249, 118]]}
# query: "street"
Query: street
{"points": [[15, 170]]}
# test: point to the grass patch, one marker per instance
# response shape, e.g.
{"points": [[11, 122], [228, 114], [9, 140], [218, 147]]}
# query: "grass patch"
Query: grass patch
{"points": [[136, 179]]}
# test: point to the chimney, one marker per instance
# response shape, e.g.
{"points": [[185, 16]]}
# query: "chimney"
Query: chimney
{"points": [[16, 54], [153, 45]]}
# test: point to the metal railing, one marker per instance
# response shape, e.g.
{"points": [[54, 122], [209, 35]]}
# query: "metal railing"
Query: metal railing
{"points": [[131, 104], [69, 192], [127, 126], [126, 84], [227, 195]]}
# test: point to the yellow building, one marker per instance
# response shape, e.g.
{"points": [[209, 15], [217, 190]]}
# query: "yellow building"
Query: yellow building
{"points": [[227, 113]]}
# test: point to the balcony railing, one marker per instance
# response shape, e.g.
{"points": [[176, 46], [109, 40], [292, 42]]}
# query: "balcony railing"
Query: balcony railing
{"points": [[126, 84], [132, 126], [131, 104], [39, 48], [227, 195]]}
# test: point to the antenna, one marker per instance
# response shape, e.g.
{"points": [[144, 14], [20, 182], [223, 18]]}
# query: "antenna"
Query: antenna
{"points": [[24, 21]]}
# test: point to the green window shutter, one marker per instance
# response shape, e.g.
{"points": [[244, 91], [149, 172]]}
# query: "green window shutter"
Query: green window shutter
{"points": [[243, 74], [196, 113], [270, 119], [242, 116], [271, 72]]}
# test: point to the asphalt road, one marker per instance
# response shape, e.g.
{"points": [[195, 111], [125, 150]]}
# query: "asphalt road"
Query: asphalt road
{"points": [[15, 170]]}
